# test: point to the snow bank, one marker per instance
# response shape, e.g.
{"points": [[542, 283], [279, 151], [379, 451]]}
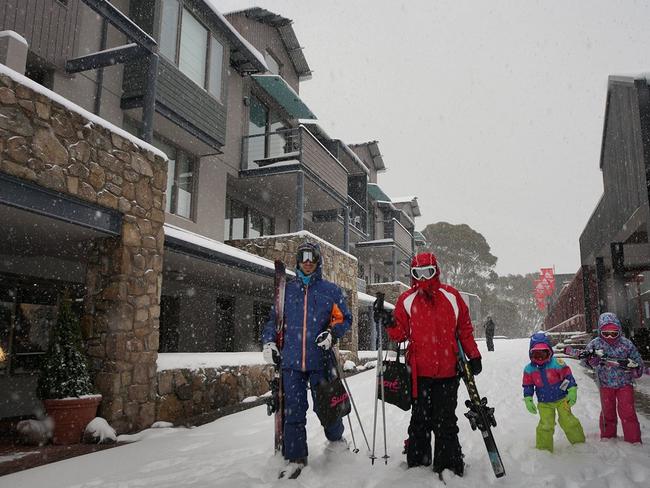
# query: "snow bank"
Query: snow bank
{"points": [[237, 450], [201, 360]]}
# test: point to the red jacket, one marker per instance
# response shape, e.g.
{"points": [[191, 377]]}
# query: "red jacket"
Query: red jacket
{"points": [[431, 322]]}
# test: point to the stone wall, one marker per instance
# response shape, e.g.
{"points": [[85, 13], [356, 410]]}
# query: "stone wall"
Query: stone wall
{"points": [[338, 267], [184, 393], [48, 144], [391, 290]]}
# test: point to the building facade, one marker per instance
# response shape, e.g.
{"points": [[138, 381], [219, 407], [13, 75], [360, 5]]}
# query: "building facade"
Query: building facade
{"points": [[168, 247]]}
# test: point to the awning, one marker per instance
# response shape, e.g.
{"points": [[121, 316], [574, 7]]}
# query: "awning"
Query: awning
{"points": [[282, 93], [377, 194]]}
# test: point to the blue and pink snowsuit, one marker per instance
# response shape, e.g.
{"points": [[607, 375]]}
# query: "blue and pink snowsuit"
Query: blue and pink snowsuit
{"points": [[616, 390], [550, 381], [311, 306]]}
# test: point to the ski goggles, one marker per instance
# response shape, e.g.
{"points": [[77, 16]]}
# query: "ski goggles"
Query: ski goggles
{"points": [[305, 255], [540, 354], [424, 272], [610, 334]]}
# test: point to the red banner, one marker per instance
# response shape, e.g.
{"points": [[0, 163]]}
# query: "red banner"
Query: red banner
{"points": [[548, 275]]}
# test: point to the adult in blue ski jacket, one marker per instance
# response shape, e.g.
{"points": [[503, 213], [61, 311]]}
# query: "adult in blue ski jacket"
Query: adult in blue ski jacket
{"points": [[315, 316]]}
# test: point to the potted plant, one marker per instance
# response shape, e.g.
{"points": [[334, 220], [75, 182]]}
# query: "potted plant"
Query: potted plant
{"points": [[64, 383]]}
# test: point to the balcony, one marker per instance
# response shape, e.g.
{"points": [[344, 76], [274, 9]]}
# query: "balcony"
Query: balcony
{"points": [[391, 255], [291, 169]]}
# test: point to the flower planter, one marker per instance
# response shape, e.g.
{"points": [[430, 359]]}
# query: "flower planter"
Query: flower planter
{"points": [[70, 417]]}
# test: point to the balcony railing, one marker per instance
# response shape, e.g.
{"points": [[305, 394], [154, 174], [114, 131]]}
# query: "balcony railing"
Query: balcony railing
{"points": [[358, 216], [393, 229], [273, 150]]}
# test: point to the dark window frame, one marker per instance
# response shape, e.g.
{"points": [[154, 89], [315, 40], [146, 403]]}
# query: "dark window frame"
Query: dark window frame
{"points": [[24, 291], [248, 209], [173, 192], [207, 83]]}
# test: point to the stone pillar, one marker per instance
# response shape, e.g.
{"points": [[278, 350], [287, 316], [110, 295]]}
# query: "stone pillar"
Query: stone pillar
{"points": [[56, 147], [13, 51]]}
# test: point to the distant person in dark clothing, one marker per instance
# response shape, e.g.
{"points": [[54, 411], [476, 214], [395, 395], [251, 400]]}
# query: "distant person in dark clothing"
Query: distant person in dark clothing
{"points": [[489, 333]]}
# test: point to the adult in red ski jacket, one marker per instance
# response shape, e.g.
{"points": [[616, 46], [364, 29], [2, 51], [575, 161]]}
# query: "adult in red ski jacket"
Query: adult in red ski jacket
{"points": [[432, 316]]}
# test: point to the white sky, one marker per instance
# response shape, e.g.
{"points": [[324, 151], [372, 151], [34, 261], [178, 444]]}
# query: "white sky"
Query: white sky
{"points": [[490, 112], [236, 451]]}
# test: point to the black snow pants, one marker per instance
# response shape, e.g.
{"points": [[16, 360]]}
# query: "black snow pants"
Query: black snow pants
{"points": [[489, 339], [435, 410]]}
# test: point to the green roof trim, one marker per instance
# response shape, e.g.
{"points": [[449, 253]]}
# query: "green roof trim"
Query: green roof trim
{"points": [[282, 93], [376, 193]]}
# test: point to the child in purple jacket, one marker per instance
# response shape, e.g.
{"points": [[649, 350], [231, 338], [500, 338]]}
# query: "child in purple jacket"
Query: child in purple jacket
{"points": [[617, 362]]}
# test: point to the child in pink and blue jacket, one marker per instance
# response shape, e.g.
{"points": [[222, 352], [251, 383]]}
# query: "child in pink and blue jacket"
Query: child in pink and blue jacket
{"points": [[617, 363], [551, 380]]}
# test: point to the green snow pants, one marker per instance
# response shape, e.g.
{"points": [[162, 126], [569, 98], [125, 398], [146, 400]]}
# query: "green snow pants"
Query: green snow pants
{"points": [[546, 427]]}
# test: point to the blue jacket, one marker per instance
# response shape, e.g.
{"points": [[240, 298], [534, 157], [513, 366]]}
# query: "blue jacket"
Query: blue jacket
{"points": [[308, 310], [609, 375], [546, 380]]}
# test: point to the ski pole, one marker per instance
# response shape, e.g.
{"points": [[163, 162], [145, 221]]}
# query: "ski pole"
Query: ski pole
{"points": [[354, 406], [383, 401], [379, 305]]}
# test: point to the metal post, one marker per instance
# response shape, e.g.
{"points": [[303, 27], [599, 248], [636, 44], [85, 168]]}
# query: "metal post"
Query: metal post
{"points": [[600, 283], [100, 72], [149, 102], [346, 228], [300, 201], [586, 291], [394, 263]]}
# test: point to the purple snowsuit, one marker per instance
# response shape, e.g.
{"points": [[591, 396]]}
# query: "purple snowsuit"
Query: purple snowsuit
{"points": [[616, 390]]}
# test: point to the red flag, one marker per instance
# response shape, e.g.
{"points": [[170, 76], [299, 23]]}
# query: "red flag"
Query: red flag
{"points": [[548, 275]]}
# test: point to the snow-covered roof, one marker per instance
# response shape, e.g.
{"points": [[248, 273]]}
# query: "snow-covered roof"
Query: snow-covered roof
{"points": [[14, 35], [247, 45], [375, 242], [73, 107], [206, 242], [313, 237], [287, 35], [403, 199]]}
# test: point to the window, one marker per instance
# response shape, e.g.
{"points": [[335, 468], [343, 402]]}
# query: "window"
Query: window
{"points": [[169, 29], [187, 43], [193, 55], [28, 311], [272, 140], [243, 222], [216, 67], [180, 179], [272, 63]]}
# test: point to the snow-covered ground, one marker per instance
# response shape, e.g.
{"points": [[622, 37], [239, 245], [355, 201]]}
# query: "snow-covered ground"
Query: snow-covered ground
{"points": [[236, 451]]}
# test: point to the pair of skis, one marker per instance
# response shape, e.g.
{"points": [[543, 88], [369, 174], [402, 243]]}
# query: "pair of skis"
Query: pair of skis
{"points": [[275, 404], [621, 363], [480, 416]]}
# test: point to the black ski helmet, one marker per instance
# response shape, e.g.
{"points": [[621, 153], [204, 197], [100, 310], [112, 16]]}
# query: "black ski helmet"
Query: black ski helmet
{"points": [[305, 248]]}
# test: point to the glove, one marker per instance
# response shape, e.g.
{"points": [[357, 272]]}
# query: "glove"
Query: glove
{"points": [[271, 353], [628, 363], [324, 340], [384, 318], [475, 366], [572, 395], [530, 405]]}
